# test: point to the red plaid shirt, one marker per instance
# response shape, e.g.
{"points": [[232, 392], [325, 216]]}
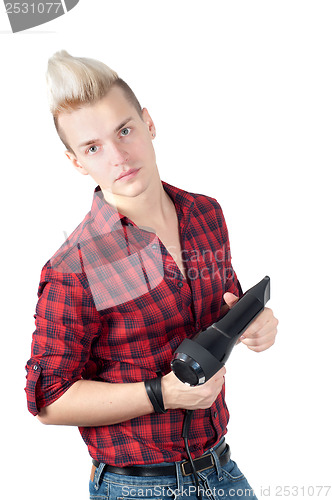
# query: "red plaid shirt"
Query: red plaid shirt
{"points": [[113, 306]]}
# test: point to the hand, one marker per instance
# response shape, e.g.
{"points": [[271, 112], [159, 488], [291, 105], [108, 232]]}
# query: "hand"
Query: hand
{"points": [[176, 394], [261, 334]]}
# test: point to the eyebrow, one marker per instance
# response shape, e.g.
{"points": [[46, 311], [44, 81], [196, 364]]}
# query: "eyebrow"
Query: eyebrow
{"points": [[119, 127]]}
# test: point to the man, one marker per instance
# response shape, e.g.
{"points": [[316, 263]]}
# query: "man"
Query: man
{"points": [[149, 266]]}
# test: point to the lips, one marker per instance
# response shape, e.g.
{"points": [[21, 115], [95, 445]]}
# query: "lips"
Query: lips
{"points": [[127, 173]]}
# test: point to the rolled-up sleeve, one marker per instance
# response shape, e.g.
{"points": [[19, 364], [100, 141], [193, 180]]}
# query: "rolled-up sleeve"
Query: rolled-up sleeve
{"points": [[66, 323]]}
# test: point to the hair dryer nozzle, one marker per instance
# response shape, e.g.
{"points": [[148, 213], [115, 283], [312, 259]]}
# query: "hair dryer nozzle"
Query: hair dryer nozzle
{"points": [[261, 291]]}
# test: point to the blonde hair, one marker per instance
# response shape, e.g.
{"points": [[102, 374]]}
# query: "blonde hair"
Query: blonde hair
{"points": [[73, 82]]}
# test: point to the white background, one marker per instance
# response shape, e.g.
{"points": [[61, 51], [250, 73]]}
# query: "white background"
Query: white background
{"points": [[240, 93]]}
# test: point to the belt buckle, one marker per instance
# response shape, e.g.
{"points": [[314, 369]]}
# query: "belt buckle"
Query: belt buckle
{"points": [[184, 473]]}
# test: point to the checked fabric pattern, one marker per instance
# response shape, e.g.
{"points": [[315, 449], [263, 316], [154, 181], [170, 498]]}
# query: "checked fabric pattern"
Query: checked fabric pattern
{"points": [[113, 306]]}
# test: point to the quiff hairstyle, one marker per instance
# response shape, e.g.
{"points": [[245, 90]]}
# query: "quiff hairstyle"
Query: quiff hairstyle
{"points": [[73, 82]]}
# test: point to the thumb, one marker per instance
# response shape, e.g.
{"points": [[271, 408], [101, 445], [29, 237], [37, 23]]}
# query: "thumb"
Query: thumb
{"points": [[230, 299]]}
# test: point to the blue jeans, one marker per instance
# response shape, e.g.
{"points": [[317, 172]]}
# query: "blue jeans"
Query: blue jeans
{"points": [[216, 483]]}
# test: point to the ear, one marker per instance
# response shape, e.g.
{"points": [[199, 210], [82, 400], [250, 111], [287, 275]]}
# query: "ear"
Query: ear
{"points": [[149, 122], [72, 157]]}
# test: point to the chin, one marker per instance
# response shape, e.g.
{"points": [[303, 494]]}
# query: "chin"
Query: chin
{"points": [[135, 188], [135, 191]]}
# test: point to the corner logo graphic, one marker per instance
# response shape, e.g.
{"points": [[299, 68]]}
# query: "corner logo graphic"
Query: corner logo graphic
{"points": [[25, 15]]}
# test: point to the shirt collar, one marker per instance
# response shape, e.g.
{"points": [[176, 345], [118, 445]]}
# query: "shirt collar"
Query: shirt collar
{"points": [[106, 218], [182, 200]]}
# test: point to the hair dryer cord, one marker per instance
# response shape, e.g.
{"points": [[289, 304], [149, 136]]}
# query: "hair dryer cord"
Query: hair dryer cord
{"points": [[185, 434]]}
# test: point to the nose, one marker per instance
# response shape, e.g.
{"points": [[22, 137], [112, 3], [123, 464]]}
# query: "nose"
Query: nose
{"points": [[118, 157]]}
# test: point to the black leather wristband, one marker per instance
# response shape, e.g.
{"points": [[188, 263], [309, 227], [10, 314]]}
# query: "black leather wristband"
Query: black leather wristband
{"points": [[153, 389]]}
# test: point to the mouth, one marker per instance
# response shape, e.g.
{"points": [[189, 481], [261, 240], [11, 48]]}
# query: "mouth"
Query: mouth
{"points": [[128, 174]]}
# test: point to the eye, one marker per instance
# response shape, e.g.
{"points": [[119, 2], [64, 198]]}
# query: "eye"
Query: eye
{"points": [[125, 131], [92, 150]]}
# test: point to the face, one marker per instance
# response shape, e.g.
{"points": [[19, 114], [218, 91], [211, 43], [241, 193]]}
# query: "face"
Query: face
{"points": [[113, 144]]}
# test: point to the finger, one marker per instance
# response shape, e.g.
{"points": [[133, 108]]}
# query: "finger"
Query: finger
{"points": [[262, 347], [266, 335], [230, 299], [258, 323], [261, 325], [260, 340], [265, 331]]}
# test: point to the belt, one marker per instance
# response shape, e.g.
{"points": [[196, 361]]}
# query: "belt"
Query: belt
{"points": [[201, 463]]}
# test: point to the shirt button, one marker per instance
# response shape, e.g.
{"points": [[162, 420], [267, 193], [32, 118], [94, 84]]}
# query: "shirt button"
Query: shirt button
{"points": [[35, 367], [180, 284], [154, 246], [215, 414], [130, 224]]}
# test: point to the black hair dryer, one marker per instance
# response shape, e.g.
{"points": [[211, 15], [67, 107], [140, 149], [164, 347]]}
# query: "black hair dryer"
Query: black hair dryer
{"points": [[196, 361]]}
